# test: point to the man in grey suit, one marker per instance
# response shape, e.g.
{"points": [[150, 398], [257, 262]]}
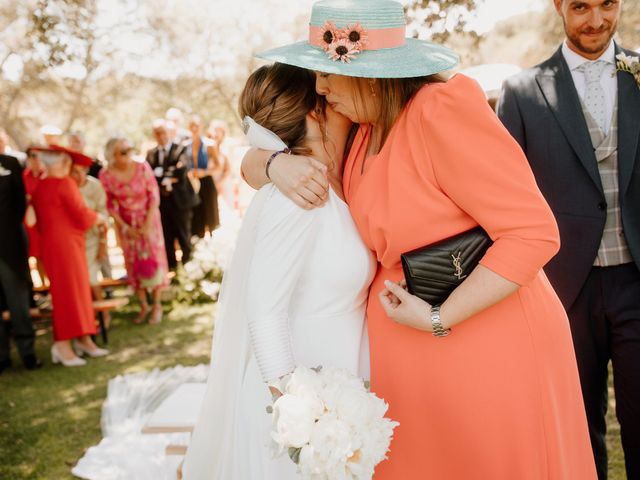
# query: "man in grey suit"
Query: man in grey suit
{"points": [[578, 122]]}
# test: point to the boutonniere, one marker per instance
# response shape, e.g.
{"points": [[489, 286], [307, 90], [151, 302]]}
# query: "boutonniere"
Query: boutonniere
{"points": [[629, 64], [4, 172]]}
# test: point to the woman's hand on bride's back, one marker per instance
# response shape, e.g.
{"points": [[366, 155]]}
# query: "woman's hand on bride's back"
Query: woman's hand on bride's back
{"points": [[301, 179]]}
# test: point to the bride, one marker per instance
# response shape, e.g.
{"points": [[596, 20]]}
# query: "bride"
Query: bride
{"points": [[295, 293]]}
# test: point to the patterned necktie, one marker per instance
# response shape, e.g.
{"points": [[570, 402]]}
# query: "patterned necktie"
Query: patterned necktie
{"points": [[594, 94]]}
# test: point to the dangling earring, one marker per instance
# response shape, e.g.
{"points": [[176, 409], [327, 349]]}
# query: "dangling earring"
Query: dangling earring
{"points": [[373, 91]]}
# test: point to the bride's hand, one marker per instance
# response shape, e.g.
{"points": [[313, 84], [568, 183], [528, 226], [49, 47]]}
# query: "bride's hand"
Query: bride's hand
{"points": [[302, 179], [404, 308]]}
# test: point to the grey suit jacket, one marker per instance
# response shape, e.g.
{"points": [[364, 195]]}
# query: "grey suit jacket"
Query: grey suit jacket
{"points": [[542, 110]]}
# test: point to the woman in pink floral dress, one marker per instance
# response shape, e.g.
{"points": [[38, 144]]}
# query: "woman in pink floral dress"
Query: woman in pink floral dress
{"points": [[133, 199]]}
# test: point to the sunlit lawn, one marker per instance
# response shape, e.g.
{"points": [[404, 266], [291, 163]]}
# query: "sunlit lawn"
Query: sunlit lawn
{"points": [[48, 418]]}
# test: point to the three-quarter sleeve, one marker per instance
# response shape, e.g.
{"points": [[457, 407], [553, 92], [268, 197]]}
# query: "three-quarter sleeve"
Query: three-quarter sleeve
{"points": [[483, 170], [82, 216], [285, 236]]}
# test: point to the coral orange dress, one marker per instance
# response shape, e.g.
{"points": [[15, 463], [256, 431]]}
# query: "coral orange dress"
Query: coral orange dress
{"points": [[63, 219], [500, 397]]}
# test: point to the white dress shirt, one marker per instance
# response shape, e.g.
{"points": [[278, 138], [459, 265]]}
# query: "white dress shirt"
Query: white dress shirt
{"points": [[608, 80]]}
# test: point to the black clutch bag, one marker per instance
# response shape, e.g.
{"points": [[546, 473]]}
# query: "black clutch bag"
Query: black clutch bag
{"points": [[434, 271]]}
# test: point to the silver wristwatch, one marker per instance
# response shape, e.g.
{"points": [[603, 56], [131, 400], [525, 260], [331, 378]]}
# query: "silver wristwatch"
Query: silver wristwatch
{"points": [[438, 329]]}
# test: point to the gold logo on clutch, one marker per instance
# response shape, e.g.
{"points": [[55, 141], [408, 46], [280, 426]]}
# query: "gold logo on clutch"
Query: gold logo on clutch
{"points": [[457, 264]]}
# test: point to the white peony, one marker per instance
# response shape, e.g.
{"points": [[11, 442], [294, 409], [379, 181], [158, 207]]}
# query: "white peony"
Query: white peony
{"points": [[305, 381], [335, 426], [356, 407], [331, 439], [293, 418]]}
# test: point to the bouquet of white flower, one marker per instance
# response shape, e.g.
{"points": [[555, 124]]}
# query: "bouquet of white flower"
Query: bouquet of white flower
{"points": [[331, 426]]}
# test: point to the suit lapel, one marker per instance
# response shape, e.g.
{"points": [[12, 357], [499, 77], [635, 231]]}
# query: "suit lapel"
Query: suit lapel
{"points": [[557, 86], [628, 125], [169, 156]]}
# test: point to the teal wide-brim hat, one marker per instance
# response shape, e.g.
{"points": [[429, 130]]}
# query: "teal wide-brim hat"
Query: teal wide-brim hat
{"points": [[363, 38]]}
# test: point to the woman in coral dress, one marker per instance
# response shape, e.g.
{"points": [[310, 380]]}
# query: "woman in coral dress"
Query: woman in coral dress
{"points": [[63, 219], [498, 398], [133, 200]]}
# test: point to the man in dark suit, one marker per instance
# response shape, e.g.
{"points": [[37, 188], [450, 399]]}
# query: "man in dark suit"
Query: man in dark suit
{"points": [[578, 122], [14, 268], [177, 197]]}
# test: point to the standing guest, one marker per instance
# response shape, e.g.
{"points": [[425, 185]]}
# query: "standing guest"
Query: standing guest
{"points": [[76, 141], [31, 176], [578, 121], [96, 237], [203, 166], [132, 200], [63, 219], [15, 284], [484, 383], [51, 135], [177, 197], [217, 132], [175, 119]]}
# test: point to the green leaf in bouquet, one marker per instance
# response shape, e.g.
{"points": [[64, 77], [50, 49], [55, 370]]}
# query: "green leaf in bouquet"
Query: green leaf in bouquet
{"points": [[269, 409], [367, 384], [294, 454]]}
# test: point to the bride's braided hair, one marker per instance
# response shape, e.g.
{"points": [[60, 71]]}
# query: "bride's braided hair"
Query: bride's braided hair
{"points": [[279, 97]]}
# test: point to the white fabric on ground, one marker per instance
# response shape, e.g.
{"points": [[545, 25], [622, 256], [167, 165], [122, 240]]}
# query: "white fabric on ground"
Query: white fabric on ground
{"points": [[124, 452]]}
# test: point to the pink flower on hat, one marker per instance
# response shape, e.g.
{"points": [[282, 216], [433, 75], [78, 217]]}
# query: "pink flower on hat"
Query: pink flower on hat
{"points": [[342, 50], [356, 34], [329, 34]]}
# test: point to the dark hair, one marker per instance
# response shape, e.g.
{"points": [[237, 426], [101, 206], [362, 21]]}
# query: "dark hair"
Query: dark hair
{"points": [[279, 97]]}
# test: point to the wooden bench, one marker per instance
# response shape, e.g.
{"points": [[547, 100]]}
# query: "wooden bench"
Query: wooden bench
{"points": [[106, 283], [99, 306], [178, 413], [103, 306]]}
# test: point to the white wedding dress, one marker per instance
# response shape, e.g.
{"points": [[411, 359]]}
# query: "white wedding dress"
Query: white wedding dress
{"points": [[295, 294]]}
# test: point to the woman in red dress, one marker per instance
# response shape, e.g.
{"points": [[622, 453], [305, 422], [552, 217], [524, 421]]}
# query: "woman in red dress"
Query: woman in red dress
{"points": [[31, 176], [63, 219]]}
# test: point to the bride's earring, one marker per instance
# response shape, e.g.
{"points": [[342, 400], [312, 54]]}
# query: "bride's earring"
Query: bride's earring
{"points": [[373, 90]]}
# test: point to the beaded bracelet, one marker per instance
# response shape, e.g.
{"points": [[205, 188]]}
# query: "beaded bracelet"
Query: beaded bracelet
{"points": [[272, 157]]}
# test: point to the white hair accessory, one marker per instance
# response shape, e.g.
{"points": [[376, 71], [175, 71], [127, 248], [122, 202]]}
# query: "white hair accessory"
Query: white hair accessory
{"points": [[261, 137]]}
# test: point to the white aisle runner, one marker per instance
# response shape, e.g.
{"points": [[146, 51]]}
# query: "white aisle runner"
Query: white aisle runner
{"points": [[124, 452]]}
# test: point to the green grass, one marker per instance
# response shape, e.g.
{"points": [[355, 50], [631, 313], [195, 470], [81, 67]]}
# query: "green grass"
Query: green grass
{"points": [[49, 417]]}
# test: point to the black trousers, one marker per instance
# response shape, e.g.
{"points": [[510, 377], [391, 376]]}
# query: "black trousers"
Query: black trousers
{"points": [[16, 291], [176, 225], [605, 323]]}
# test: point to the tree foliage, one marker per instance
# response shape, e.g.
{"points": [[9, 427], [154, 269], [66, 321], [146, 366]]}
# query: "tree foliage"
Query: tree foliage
{"points": [[438, 19]]}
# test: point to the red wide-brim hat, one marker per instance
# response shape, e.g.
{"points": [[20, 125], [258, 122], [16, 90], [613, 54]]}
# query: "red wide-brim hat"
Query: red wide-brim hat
{"points": [[76, 157]]}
